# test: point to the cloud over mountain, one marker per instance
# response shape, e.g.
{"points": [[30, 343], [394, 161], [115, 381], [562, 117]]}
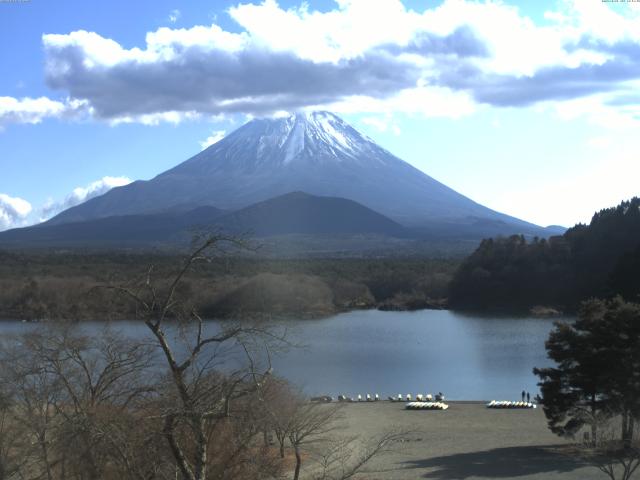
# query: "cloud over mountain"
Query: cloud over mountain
{"points": [[13, 211], [82, 194], [215, 137], [443, 61], [196, 71]]}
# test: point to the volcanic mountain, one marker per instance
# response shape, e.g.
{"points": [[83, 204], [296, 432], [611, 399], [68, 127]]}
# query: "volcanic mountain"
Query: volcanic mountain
{"points": [[317, 153]]}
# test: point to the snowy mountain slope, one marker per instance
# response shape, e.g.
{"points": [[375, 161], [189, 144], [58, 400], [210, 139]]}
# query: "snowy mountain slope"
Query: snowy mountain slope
{"points": [[317, 153]]}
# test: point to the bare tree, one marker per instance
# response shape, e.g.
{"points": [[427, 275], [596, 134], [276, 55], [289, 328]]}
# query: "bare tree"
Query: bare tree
{"points": [[192, 402], [617, 458], [279, 404], [312, 430], [12, 447], [309, 424], [201, 399], [100, 378], [74, 396], [33, 394], [346, 458]]}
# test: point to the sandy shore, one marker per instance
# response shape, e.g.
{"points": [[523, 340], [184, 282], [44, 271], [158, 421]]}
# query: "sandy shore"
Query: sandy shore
{"points": [[467, 441]]}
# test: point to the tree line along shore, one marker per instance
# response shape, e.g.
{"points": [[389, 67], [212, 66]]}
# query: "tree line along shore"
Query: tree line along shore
{"points": [[41, 285], [507, 274]]}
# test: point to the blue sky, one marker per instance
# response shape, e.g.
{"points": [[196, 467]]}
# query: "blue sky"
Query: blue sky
{"points": [[530, 107]]}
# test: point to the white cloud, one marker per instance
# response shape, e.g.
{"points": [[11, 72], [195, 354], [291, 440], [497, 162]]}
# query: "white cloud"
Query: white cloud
{"points": [[80, 195], [175, 15], [382, 124], [157, 118], [28, 110], [215, 137], [17, 212], [34, 110], [345, 33], [599, 142], [597, 111], [206, 70], [425, 101], [601, 20], [13, 211], [443, 61]]}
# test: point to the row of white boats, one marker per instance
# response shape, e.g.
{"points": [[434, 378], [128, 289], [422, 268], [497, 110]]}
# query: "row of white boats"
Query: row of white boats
{"points": [[439, 397], [359, 398], [423, 402], [400, 398], [426, 406], [509, 404]]}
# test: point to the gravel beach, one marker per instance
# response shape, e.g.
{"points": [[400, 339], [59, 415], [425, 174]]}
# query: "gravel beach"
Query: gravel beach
{"points": [[467, 441]]}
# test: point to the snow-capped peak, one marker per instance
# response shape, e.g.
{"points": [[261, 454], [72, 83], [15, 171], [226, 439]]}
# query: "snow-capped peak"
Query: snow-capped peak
{"points": [[330, 129], [318, 134], [295, 141]]}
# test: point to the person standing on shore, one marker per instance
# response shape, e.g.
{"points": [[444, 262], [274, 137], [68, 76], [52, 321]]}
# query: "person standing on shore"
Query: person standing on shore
{"points": [[528, 398], [523, 394]]}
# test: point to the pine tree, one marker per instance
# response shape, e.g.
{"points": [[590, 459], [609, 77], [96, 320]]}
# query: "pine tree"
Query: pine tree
{"points": [[598, 369]]}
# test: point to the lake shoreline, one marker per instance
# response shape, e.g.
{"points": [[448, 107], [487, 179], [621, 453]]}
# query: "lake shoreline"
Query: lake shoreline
{"points": [[440, 304]]}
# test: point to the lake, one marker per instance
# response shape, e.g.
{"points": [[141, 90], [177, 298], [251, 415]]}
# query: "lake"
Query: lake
{"points": [[467, 357]]}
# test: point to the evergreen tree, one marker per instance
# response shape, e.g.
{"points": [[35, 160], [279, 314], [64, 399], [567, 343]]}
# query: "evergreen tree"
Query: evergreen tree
{"points": [[598, 369], [598, 260]]}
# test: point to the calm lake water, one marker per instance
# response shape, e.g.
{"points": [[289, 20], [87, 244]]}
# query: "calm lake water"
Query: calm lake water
{"points": [[466, 357]]}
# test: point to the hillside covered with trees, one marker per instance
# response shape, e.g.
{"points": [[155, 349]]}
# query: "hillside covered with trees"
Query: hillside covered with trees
{"points": [[62, 285], [596, 260]]}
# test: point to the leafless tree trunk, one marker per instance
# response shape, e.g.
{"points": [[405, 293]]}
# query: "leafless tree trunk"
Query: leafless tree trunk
{"points": [[310, 423], [617, 458], [346, 458], [188, 371]]}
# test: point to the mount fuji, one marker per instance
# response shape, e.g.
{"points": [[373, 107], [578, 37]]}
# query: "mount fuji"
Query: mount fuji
{"points": [[342, 180], [317, 153]]}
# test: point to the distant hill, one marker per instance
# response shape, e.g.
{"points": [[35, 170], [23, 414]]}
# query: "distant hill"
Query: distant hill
{"points": [[293, 213], [596, 260], [302, 213]]}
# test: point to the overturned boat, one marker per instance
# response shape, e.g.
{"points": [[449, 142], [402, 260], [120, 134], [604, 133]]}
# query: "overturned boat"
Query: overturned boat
{"points": [[426, 406], [509, 404]]}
